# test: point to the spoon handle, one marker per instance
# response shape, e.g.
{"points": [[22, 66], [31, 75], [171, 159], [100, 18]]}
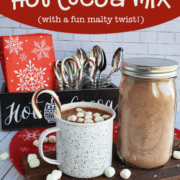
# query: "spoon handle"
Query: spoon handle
{"points": [[112, 71]]}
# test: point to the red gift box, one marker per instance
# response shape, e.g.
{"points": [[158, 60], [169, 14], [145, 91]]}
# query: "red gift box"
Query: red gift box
{"points": [[27, 62]]}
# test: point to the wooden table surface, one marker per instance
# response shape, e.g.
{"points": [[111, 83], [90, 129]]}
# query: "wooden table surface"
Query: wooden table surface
{"points": [[8, 171]]}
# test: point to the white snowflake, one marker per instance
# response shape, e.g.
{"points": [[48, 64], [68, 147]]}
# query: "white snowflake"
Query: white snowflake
{"points": [[23, 149], [31, 78], [50, 148], [27, 135], [41, 49], [13, 45], [23, 57]]}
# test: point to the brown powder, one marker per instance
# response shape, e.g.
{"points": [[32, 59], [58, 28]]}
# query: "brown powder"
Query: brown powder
{"points": [[147, 111]]}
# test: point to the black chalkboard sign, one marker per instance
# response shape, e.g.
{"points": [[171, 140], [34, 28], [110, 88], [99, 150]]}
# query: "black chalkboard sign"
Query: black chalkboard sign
{"points": [[17, 112]]}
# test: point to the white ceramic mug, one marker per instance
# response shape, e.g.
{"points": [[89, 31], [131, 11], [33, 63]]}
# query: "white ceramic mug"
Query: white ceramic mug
{"points": [[83, 150]]}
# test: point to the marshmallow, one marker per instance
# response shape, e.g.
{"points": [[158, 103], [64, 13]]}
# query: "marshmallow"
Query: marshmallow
{"points": [[88, 121], [88, 113], [34, 163], [80, 114], [109, 172], [88, 117], [45, 140], [57, 173], [31, 157], [51, 177], [52, 139], [79, 110], [96, 114], [35, 143], [125, 173], [4, 156], [80, 120], [106, 117], [72, 118], [99, 119], [176, 154]]}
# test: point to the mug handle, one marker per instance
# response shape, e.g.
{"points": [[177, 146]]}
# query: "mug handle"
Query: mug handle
{"points": [[40, 145]]}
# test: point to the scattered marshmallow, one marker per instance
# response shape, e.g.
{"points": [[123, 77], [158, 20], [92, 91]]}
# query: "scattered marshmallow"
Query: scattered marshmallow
{"points": [[79, 110], [34, 163], [125, 173], [88, 121], [35, 143], [80, 120], [109, 172], [4, 156], [88, 117], [88, 113], [96, 114], [99, 119], [31, 157], [51, 177], [52, 139], [46, 140], [72, 118], [80, 114], [106, 117], [176, 154], [57, 173]]}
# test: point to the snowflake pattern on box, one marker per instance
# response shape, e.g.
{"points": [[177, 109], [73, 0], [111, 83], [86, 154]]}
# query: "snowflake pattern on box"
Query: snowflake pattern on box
{"points": [[50, 148], [30, 135], [23, 57], [41, 49], [13, 45], [31, 78]]}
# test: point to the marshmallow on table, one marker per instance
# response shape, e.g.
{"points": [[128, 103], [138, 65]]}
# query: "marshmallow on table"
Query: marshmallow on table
{"points": [[88, 117], [88, 113], [4, 156], [34, 163], [96, 114], [31, 157], [80, 114], [106, 117], [109, 172], [176, 154], [52, 139], [45, 140], [51, 177], [72, 118], [57, 173], [80, 120], [99, 119], [125, 173], [35, 143], [79, 109], [88, 121]]}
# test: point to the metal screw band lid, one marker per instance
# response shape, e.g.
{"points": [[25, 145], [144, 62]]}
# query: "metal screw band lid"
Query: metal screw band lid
{"points": [[151, 68]]}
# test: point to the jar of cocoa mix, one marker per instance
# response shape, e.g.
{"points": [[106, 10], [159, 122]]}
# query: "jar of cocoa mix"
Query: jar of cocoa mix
{"points": [[147, 111]]}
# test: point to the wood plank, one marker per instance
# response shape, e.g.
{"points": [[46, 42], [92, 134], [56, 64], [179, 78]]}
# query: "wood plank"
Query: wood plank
{"points": [[170, 171]]}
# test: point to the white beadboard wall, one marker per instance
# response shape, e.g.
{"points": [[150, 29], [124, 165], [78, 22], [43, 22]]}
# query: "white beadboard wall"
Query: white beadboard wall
{"points": [[162, 41]]}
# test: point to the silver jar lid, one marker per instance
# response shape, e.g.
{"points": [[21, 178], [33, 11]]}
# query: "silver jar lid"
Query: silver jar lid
{"points": [[151, 68]]}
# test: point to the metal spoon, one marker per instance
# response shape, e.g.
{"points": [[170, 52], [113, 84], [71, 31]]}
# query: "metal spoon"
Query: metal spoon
{"points": [[116, 61], [104, 63]]}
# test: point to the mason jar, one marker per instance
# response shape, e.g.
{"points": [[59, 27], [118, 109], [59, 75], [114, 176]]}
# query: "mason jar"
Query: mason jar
{"points": [[147, 111]]}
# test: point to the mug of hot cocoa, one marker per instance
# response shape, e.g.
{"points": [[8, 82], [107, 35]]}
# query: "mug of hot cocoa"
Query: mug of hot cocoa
{"points": [[84, 133]]}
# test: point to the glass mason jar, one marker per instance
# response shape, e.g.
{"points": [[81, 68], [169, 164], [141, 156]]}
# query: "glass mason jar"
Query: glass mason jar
{"points": [[147, 111]]}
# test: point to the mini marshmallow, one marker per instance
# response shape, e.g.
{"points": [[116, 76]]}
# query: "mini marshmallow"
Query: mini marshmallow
{"points": [[72, 118], [176, 154], [57, 173], [31, 157], [51, 177], [88, 117], [80, 114], [106, 117], [45, 140], [52, 139], [88, 113], [96, 114], [109, 172], [4, 156], [34, 163], [99, 119], [80, 120], [79, 110], [88, 121], [35, 143], [125, 173]]}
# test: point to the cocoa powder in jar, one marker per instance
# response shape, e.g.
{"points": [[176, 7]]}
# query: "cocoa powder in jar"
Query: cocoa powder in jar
{"points": [[147, 111]]}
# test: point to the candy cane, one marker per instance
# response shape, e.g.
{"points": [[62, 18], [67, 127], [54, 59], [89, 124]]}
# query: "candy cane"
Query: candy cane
{"points": [[53, 94], [58, 63]]}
